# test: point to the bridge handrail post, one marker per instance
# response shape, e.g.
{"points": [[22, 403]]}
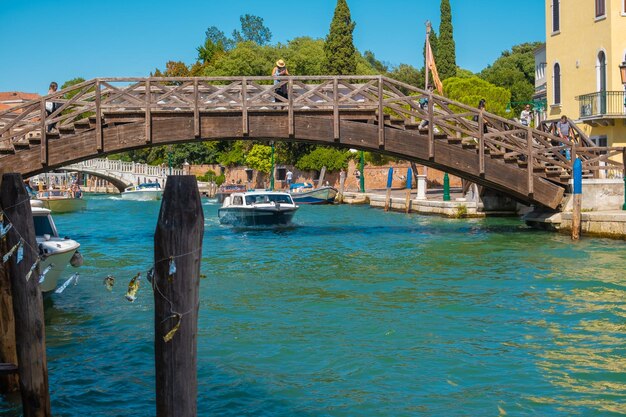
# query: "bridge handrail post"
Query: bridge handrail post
{"points": [[148, 111], [196, 110], [431, 127], [381, 114], [44, 138], [244, 106], [336, 109], [481, 142], [529, 160], [99, 136], [290, 119]]}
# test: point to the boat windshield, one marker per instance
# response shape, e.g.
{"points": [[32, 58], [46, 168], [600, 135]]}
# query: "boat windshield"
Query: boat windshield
{"points": [[43, 226], [268, 198], [149, 185]]}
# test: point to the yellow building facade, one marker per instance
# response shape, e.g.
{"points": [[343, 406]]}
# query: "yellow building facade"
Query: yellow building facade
{"points": [[585, 46]]}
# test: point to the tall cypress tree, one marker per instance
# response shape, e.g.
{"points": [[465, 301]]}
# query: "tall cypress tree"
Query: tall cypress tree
{"points": [[446, 50], [339, 48]]}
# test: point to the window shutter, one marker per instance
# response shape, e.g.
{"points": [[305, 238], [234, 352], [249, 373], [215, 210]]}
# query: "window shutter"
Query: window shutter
{"points": [[555, 16]]}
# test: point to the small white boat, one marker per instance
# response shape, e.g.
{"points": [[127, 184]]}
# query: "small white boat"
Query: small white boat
{"points": [[143, 192], [257, 208], [55, 250], [59, 201], [309, 195]]}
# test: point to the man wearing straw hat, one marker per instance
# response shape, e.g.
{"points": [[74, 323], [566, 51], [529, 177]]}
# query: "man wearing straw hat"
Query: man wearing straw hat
{"points": [[280, 70]]}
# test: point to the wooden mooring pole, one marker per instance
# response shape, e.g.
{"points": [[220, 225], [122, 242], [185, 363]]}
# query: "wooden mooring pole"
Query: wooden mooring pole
{"points": [[177, 249], [389, 182], [409, 183], [578, 195], [8, 353], [30, 335]]}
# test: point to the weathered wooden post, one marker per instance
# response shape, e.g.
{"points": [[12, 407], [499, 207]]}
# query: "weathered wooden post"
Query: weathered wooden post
{"points": [[578, 194], [177, 255], [8, 353], [27, 301], [389, 181], [407, 202], [342, 184]]}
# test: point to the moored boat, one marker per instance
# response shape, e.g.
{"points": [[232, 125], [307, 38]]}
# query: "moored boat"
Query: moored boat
{"points": [[143, 192], [322, 195], [59, 201], [257, 208], [56, 251]]}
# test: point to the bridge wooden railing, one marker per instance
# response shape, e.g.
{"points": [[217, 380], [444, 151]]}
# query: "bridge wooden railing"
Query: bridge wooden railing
{"points": [[390, 103], [122, 167]]}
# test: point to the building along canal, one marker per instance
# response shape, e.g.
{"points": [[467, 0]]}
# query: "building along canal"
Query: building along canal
{"points": [[351, 312]]}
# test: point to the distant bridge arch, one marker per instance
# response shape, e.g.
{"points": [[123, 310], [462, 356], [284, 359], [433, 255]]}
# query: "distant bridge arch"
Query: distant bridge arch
{"points": [[104, 116], [122, 174]]}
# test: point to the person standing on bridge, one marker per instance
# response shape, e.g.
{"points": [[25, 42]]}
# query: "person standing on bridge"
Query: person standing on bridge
{"points": [[565, 132], [51, 106], [280, 70]]}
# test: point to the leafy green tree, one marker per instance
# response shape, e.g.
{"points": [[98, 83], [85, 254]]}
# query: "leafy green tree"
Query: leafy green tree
{"points": [[173, 69], [378, 159], [260, 158], [252, 30], [340, 53], [247, 58], [215, 44], [233, 156], [377, 65], [515, 70], [408, 75], [333, 159], [304, 56], [464, 73], [471, 90], [446, 49]]}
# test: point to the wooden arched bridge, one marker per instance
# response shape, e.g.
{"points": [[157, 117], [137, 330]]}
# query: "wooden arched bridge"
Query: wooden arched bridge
{"points": [[110, 115]]}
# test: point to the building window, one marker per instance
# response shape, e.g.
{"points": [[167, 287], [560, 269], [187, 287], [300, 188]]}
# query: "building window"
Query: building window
{"points": [[600, 8], [555, 16], [557, 84]]}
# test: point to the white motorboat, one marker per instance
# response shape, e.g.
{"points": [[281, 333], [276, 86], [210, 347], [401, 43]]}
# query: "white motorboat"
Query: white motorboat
{"points": [[257, 208], [55, 250], [143, 192]]}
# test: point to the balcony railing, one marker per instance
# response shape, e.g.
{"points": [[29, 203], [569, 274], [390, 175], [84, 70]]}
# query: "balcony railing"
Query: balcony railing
{"points": [[609, 104]]}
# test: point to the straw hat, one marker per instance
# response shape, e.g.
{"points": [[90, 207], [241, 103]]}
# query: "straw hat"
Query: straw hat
{"points": [[280, 63]]}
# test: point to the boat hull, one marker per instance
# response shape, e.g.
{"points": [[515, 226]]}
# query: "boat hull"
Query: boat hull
{"points": [[59, 260], [254, 216], [323, 195], [64, 205]]}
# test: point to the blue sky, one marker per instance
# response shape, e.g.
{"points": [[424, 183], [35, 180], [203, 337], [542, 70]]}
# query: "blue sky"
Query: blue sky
{"points": [[41, 41]]}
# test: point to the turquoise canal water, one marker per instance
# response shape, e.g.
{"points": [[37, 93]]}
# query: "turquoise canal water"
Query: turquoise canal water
{"points": [[353, 312]]}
